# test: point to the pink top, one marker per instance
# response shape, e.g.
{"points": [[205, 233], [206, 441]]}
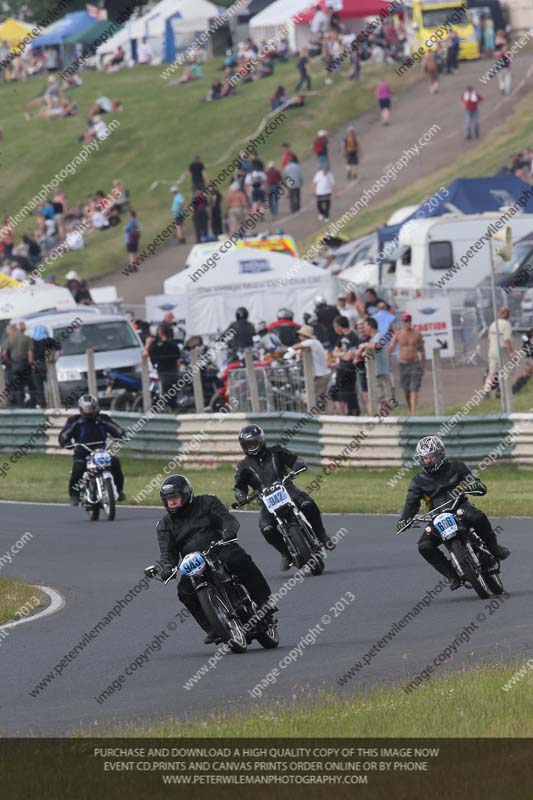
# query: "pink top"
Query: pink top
{"points": [[383, 91]]}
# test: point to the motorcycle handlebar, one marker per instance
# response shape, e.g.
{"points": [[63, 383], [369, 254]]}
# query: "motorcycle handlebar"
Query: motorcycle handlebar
{"points": [[256, 494], [429, 517]]}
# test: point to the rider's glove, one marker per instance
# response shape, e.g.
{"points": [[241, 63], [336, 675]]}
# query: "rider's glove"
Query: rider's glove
{"points": [[227, 536], [402, 524], [240, 496], [166, 571], [475, 486]]}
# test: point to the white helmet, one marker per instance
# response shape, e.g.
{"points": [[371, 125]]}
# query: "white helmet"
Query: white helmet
{"points": [[431, 453]]}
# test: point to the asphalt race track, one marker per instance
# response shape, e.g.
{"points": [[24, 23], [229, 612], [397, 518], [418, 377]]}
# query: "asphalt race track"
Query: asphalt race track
{"points": [[95, 564]]}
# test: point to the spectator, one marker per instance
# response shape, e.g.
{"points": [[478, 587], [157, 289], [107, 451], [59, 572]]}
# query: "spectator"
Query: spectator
{"points": [[372, 302], [257, 163], [120, 194], [346, 310], [488, 36], [198, 174], [145, 54], [432, 71], [102, 105], [325, 315], [33, 250], [321, 371], [471, 100], [351, 154], [45, 349], [505, 336], [285, 327], [383, 94], [216, 213], [376, 348], [19, 352], [453, 43], [178, 203], [255, 184], [7, 238], [320, 149], [294, 178], [132, 235], [51, 59], [164, 354], [242, 331], [116, 61], [385, 319], [324, 182], [302, 64], [412, 360], [503, 66], [200, 216], [286, 156], [273, 183], [319, 23], [59, 204], [344, 390], [237, 206], [279, 98]]}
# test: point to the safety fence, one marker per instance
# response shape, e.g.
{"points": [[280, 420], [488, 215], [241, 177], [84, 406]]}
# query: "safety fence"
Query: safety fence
{"points": [[207, 439]]}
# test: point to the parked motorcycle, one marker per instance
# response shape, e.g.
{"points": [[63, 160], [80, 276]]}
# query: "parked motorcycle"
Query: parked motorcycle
{"points": [[302, 543], [98, 491], [475, 566], [228, 607]]}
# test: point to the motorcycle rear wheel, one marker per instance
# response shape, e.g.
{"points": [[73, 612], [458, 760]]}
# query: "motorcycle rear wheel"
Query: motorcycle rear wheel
{"points": [[225, 626], [477, 582]]}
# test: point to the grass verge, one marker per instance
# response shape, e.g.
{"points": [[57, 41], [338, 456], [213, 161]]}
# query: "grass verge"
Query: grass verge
{"points": [[470, 703], [18, 599], [41, 478]]}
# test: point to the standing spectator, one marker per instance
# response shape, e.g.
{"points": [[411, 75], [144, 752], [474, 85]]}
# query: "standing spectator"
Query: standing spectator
{"points": [[320, 149], [178, 203], [386, 320], [255, 184], [344, 346], [200, 216], [237, 206], [198, 175], [216, 213], [59, 204], [45, 349], [354, 307], [373, 302], [383, 95], [321, 371], [286, 155], [319, 23], [32, 248], [412, 360], [19, 351], [360, 368], [432, 71], [471, 100], [4, 60], [132, 234], [453, 43], [505, 332], [164, 354], [324, 182], [489, 36], [294, 175], [303, 61], [242, 331], [503, 65], [145, 54], [257, 163], [345, 310], [273, 182], [377, 348], [351, 154], [7, 238]]}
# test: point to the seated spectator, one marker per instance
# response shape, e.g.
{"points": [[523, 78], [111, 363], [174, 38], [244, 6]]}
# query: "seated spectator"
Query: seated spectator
{"points": [[145, 55], [265, 67], [33, 250], [230, 61], [117, 60], [192, 72], [215, 93], [121, 195], [283, 51], [97, 129], [102, 105], [279, 98]]}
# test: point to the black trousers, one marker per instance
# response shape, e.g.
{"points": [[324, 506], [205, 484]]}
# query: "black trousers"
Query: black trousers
{"points": [[22, 376], [304, 78], [167, 381], [201, 225], [240, 564], [39, 378], [429, 543], [78, 468], [294, 200], [308, 507]]}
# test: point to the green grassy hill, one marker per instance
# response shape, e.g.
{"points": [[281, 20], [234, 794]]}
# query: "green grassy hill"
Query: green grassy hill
{"points": [[161, 130]]}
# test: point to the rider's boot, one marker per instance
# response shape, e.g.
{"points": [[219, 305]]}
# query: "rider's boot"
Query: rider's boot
{"points": [[446, 569], [499, 552], [74, 499]]}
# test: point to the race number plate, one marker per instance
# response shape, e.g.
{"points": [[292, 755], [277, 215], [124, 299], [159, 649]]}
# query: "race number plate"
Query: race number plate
{"points": [[192, 564], [277, 499], [446, 525]]}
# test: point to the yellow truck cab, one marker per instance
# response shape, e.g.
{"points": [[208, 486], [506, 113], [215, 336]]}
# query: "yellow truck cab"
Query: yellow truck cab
{"points": [[428, 22]]}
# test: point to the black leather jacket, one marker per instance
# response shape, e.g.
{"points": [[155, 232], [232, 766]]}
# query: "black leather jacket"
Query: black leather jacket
{"points": [[263, 470], [434, 489], [82, 431], [194, 528]]}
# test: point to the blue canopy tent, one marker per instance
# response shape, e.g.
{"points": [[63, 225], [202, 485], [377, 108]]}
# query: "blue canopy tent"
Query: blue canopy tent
{"points": [[466, 196], [71, 27], [170, 52]]}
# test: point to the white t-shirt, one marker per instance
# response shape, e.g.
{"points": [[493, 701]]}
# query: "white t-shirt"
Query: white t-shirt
{"points": [[506, 334], [320, 359], [319, 22], [101, 130], [324, 182], [145, 53]]}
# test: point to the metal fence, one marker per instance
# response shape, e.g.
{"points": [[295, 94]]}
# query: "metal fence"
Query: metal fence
{"points": [[280, 387]]}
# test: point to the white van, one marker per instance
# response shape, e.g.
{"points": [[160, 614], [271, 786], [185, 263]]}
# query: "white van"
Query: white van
{"points": [[451, 252], [32, 299]]}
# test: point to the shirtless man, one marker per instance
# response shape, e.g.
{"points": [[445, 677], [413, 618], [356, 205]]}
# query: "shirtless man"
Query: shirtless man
{"points": [[412, 367]]}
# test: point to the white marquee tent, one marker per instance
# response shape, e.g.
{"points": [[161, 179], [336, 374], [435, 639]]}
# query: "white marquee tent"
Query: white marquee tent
{"points": [[182, 18], [262, 281]]}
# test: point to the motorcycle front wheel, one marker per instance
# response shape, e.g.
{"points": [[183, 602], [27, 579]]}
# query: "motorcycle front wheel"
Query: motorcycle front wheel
{"points": [[93, 509], [299, 543], [269, 638], [224, 624], [494, 582], [108, 500], [477, 582]]}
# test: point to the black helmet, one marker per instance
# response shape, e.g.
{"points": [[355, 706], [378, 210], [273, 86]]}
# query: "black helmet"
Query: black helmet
{"points": [[285, 313], [241, 313], [431, 453], [252, 440], [176, 486], [88, 406]]}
